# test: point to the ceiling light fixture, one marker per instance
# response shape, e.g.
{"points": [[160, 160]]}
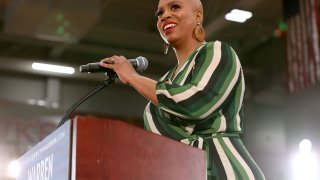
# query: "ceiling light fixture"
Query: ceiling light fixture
{"points": [[238, 15], [53, 68]]}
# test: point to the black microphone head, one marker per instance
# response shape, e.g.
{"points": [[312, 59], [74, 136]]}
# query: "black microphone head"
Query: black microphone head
{"points": [[141, 63]]}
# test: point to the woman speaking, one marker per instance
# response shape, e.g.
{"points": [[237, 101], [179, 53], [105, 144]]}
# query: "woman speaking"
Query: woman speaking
{"points": [[199, 101]]}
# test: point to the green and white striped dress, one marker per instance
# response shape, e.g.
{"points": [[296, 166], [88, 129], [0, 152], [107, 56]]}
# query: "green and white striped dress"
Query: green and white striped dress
{"points": [[202, 107]]}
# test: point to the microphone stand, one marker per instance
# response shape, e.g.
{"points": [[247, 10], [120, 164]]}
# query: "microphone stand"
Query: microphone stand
{"points": [[107, 82]]}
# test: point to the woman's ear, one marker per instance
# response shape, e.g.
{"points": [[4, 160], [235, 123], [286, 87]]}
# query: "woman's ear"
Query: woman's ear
{"points": [[199, 16]]}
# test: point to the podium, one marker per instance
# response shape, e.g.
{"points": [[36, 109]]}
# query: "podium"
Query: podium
{"points": [[94, 148]]}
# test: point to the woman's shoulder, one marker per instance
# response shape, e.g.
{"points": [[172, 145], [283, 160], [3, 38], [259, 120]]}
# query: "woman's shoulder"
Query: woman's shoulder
{"points": [[222, 45], [215, 42]]}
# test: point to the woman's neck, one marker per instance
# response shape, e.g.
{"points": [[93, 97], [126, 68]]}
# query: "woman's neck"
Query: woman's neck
{"points": [[185, 50]]}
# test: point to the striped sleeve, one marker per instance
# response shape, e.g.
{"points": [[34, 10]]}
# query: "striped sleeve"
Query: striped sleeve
{"points": [[216, 71]]}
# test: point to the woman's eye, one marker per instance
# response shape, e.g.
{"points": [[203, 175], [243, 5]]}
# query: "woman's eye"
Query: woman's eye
{"points": [[175, 7], [159, 13]]}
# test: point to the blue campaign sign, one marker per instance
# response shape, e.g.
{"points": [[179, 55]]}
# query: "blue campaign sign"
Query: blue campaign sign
{"points": [[49, 159]]}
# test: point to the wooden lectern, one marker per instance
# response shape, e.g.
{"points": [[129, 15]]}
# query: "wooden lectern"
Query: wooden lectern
{"points": [[92, 148]]}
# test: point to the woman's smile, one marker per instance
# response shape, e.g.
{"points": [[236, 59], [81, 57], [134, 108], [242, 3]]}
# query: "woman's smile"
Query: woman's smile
{"points": [[168, 27]]}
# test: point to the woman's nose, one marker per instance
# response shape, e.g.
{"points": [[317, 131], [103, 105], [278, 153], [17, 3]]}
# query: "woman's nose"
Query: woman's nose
{"points": [[165, 15]]}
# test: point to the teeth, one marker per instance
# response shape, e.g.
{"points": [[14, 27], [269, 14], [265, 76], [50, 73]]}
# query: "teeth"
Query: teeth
{"points": [[168, 26]]}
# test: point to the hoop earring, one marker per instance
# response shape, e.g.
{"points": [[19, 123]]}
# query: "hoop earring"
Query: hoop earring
{"points": [[165, 48], [199, 33]]}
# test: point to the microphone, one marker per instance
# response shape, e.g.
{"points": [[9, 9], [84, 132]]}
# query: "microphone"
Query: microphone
{"points": [[140, 64]]}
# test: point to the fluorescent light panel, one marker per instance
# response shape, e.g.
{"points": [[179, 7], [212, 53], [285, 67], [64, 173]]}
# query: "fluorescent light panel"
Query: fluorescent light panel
{"points": [[53, 68], [238, 15]]}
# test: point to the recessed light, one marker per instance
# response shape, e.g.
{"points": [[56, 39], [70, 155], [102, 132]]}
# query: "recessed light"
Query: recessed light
{"points": [[238, 15]]}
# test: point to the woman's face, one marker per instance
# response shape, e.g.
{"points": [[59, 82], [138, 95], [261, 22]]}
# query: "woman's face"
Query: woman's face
{"points": [[176, 19]]}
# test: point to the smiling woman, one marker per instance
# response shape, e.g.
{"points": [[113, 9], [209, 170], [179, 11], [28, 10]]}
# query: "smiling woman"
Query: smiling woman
{"points": [[199, 101]]}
